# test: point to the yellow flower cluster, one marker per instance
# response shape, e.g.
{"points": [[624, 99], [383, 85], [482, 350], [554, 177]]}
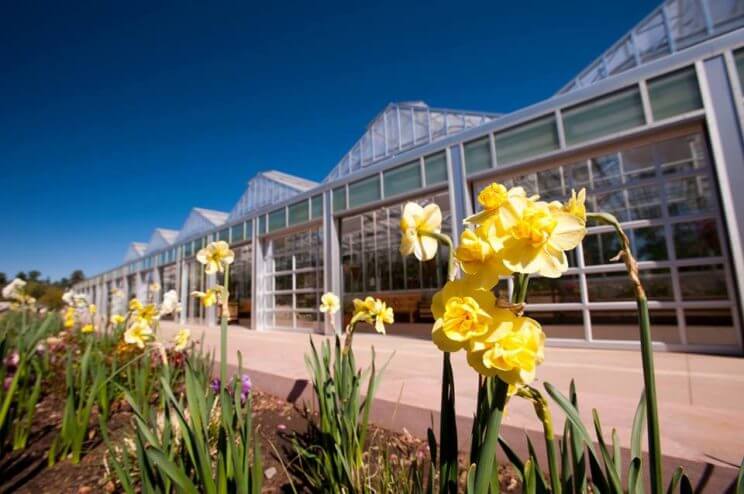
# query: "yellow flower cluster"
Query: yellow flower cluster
{"points": [[514, 233], [519, 234], [373, 311], [498, 342]]}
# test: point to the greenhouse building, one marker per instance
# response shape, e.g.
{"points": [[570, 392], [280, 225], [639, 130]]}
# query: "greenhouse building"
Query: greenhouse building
{"points": [[652, 129]]}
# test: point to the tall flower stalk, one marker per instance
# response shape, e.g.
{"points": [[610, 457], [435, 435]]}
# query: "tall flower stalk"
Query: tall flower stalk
{"points": [[647, 354]]}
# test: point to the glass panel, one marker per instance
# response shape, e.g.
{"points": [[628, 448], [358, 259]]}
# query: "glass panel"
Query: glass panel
{"points": [[674, 94], [710, 327], [406, 178], [622, 325], [477, 156], [307, 320], [604, 116], [739, 57], [283, 319], [689, 195], [554, 290], [277, 219], [616, 286], [299, 213], [224, 235], [527, 140], [364, 191], [703, 282], [236, 233], [282, 282], [306, 280], [649, 244], [262, 224], [307, 300], [339, 199], [560, 323], [316, 206], [435, 167], [698, 239]]}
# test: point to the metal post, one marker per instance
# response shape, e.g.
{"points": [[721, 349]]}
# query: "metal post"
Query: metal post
{"points": [[332, 281]]}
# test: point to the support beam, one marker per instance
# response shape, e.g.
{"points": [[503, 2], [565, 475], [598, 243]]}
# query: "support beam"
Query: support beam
{"points": [[332, 280], [725, 136]]}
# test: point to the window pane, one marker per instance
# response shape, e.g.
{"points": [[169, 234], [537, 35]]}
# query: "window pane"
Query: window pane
{"points": [[622, 325], [283, 301], [277, 219], [306, 280], [527, 140], [698, 239], [710, 327], [600, 248], [674, 94], [406, 178], [317, 206], [703, 282], [477, 156], [298, 213], [339, 199], [688, 195], [224, 235], [739, 57], [616, 286], [560, 323], [604, 116], [436, 168], [554, 290], [364, 191], [236, 232], [284, 281], [649, 244], [262, 224], [307, 300]]}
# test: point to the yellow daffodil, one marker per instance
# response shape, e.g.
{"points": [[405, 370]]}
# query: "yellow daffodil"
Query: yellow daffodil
{"points": [[148, 312], [497, 201], [463, 310], [215, 257], [511, 351], [135, 304], [87, 328], [181, 340], [117, 319], [373, 311], [69, 317], [538, 238], [329, 303], [381, 314], [138, 333], [479, 253], [575, 205], [208, 298], [415, 223], [92, 309]]}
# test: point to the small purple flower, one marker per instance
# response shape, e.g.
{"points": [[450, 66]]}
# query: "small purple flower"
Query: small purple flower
{"points": [[281, 427], [246, 385], [12, 361], [6, 382], [216, 385]]}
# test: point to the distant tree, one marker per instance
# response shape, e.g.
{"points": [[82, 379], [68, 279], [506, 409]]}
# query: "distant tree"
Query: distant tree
{"points": [[3, 279], [76, 277], [21, 275], [64, 282], [34, 275], [52, 297]]}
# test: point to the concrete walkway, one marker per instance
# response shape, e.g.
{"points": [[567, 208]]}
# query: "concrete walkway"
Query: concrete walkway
{"points": [[701, 398]]}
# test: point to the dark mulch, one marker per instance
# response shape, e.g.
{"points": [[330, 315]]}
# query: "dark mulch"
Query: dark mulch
{"points": [[275, 419]]}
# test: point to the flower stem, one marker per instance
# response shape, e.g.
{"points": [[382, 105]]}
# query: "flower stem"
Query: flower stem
{"points": [[451, 263], [487, 456], [542, 410], [223, 327], [647, 356]]}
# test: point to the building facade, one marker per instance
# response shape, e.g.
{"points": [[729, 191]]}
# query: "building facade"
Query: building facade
{"points": [[652, 130]]}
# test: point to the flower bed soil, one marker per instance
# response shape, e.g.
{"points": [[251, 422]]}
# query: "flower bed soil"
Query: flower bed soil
{"points": [[26, 471]]}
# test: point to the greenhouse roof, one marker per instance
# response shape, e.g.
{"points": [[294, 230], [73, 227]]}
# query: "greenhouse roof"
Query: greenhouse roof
{"points": [[135, 251], [200, 220], [403, 126], [671, 27], [160, 239], [267, 188]]}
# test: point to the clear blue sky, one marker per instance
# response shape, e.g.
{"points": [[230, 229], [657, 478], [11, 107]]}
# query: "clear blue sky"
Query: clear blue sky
{"points": [[116, 119]]}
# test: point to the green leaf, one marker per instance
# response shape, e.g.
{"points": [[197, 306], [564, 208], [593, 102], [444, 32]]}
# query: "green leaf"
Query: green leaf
{"points": [[580, 431], [635, 483], [674, 482], [740, 479], [612, 474], [530, 482], [637, 430], [172, 470]]}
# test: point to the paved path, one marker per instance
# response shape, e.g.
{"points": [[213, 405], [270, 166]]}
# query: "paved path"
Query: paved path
{"points": [[701, 397]]}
